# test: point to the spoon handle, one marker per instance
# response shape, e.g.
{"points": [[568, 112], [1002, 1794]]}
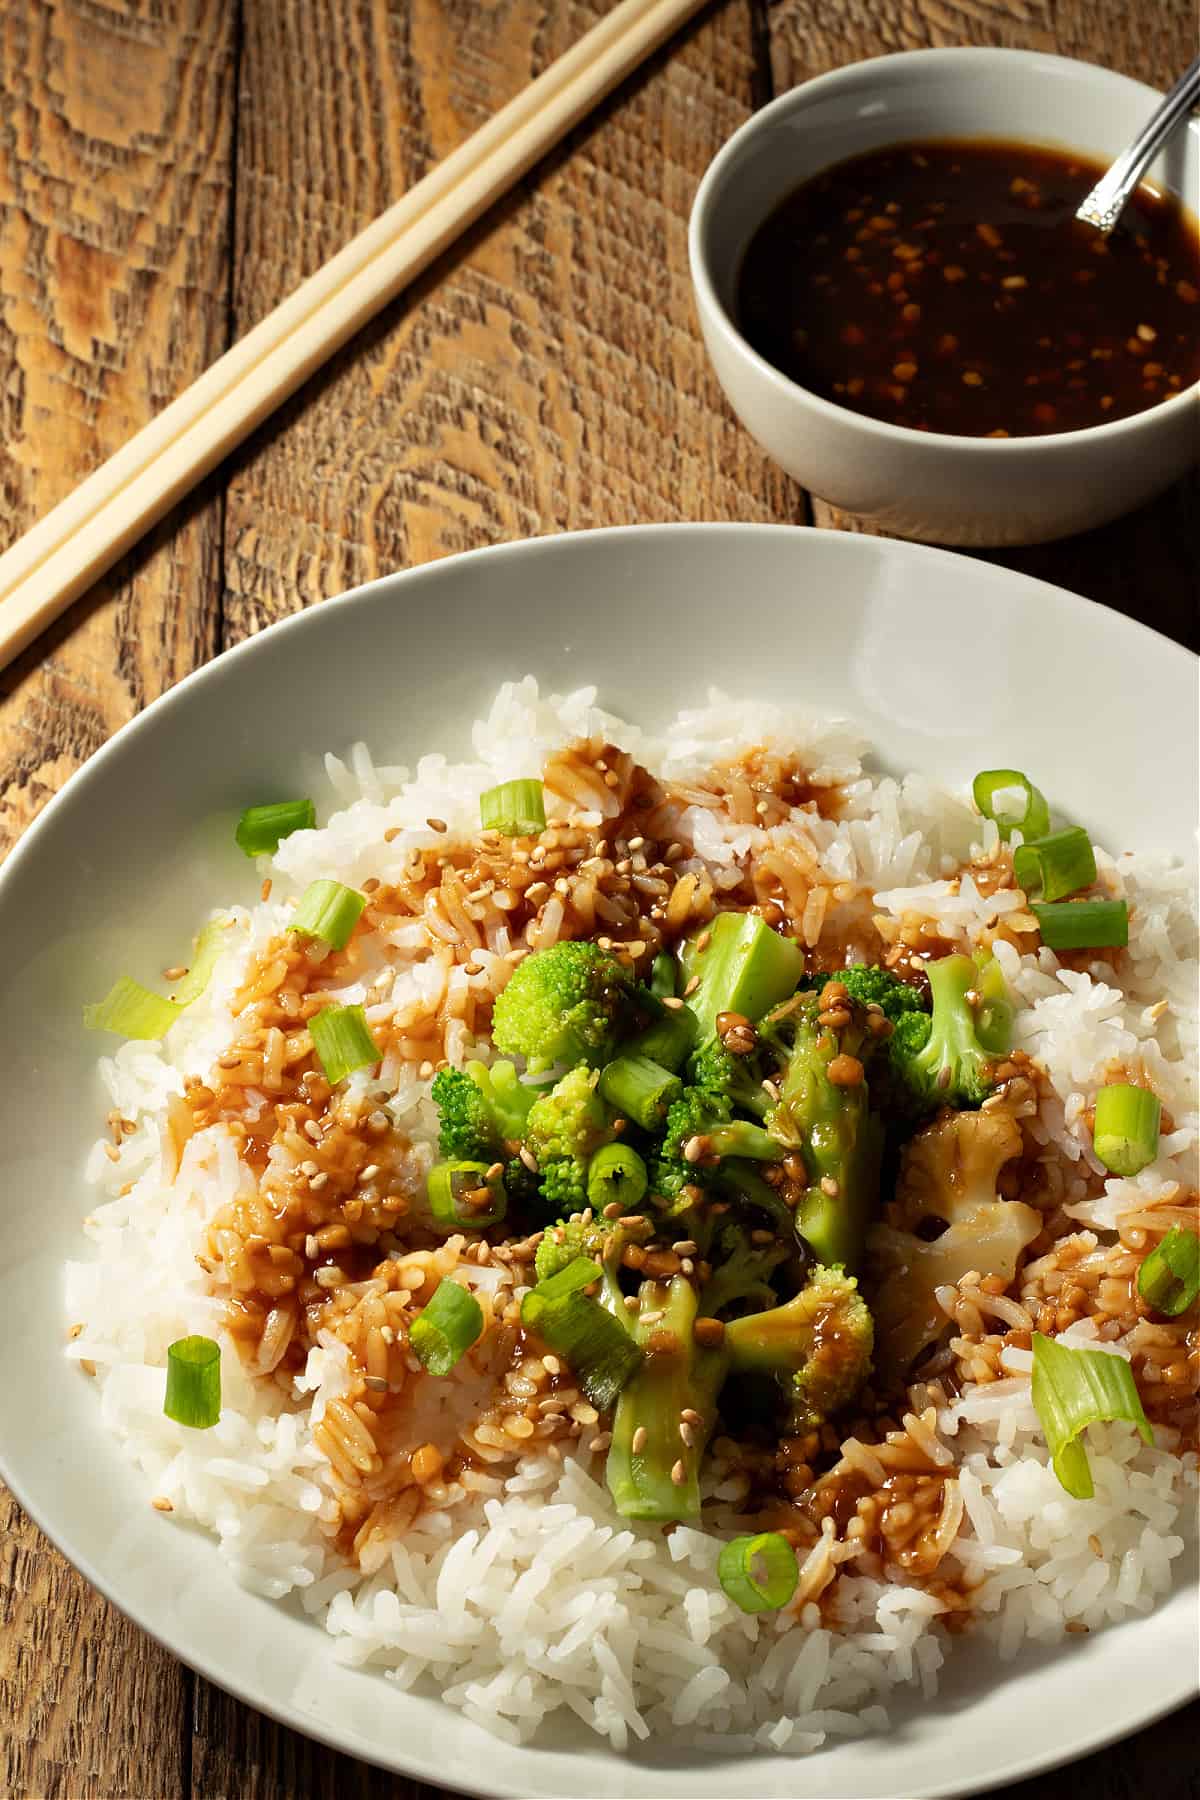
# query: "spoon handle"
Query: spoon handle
{"points": [[1105, 203]]}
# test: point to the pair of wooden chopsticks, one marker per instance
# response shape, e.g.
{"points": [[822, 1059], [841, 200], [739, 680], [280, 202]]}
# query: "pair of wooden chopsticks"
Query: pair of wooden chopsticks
{"points": [[86, 533]]}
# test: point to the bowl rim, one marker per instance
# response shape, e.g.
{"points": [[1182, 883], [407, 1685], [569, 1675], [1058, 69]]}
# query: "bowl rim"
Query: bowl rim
{"points": [[1161, 414], [288, 1712]]}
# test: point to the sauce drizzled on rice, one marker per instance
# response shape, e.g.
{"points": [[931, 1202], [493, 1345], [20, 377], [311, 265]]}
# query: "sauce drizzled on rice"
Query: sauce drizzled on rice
{"points": [[320, 1251]]}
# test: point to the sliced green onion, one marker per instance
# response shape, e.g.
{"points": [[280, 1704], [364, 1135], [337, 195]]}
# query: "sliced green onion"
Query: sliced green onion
{"points": [[616, 1175], [1082, 924], [759, 1573], [193, 1395], [1125, 1131], [343, 1041], [514, 809], [664, 972], [134, 1011], [579, 1273], [600, 1352], [261, 829], [640, 1089], [446, 1327], [670, 1040], [1050, 867], [466, 1194], [1034, 822], [328, 911], [1170, 1276], [1076, 1388]]}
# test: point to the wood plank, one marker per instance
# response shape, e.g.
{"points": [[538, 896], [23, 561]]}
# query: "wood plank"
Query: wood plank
{"points": [[115, 145], [547, 373], [1145, 565]]}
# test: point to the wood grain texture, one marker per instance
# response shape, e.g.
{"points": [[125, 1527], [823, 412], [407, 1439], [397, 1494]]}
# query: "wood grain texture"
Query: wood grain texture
{"points": [[169, 169], [1145, 565], [545, 375]]}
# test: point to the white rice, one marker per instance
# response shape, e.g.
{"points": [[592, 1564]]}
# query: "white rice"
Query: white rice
{"points": [[530, 1594]]}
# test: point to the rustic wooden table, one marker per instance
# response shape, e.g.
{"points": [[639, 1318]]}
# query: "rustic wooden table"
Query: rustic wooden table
{"points": [[167, 174]]}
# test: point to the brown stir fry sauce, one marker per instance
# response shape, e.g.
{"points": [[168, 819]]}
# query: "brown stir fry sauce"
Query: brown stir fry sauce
{"points": [[948, 287]]}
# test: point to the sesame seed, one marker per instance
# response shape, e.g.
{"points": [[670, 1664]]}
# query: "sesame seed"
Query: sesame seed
{"points": [[632, 1303], [679, 1473], [830, 1187], [613, 1210], [636, 843], [161, 1504], [375, 1384], [370, 1172], [437, 824], [672, 1003], [311, 1248], [691, 1416], [693, 1150], [685, 1247], [528, 1158], [494, 1172], [639, 1440], [770, 1089], [691, 987], [425, 1070], [687, 1436], [600, 1442], [312, 1130], [653, 1318], [174, 974], [762, 1237]]}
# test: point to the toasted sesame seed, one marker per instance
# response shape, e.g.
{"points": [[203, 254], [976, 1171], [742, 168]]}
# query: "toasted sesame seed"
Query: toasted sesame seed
{"points": [[691, 987], [528, 1158], [87, 1365], [370, 1172], [160, 1503], [318, 1182], [691, 1417], [494, 1172], [632, 1303], [652, 1318], [600, 1442], [437, 824], [679, 1473], [311, 1248], [613, 1210], [708, 1332], [638, 1442], [686, 1434], [264, 892], [693, 1150], [685, 1247], [762, 1237], [636, 843], [176, 973], [672, 1002]]}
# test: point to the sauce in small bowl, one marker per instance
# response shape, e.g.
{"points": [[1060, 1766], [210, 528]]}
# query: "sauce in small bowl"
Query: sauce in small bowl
{"points": [[946, 286]]}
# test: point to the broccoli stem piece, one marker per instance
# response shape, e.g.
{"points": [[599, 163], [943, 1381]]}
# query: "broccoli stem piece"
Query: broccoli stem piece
{"points": [[660, 1478], [741, 1138], [668, 1041], [745, 967], [640, 1089], [841, 1141]]}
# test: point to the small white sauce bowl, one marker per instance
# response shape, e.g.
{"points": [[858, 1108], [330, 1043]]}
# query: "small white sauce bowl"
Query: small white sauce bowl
{"points": [[940, 488]]}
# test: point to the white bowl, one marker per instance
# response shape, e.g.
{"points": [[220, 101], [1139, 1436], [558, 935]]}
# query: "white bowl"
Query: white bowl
{"points": [[937, 487], [949, 665]]}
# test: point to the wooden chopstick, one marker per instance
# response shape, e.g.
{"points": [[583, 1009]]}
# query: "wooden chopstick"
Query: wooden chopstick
{"points": [[65, 552]]}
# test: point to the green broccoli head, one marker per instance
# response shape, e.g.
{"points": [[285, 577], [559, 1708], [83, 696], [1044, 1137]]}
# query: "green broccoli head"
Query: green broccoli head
{"points": [[601, 1239], [567, 1004], [949, 1059], [871, 986], [716, 1070], [562, 1131], [481, 1110], [742, 1273], [817, 1346]]}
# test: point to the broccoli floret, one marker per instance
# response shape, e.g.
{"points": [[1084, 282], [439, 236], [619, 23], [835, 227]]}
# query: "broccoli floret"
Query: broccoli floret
{"points": [[738, 1078], [948, 1060], [481, 1110], [602, 1239], [563, 1129], [567, 1004], [817, 1346], [829, 1123], [743, 1274], [871, 986]]}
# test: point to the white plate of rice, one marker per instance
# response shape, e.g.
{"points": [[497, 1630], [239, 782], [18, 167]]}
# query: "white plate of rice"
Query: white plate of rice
{"points": [[508, 1632]]}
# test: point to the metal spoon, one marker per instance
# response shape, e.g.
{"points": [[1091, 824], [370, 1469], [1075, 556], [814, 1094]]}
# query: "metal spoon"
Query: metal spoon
{"points": [[1106, 202]]}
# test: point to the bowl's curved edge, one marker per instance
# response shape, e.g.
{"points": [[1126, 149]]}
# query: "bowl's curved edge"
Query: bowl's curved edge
{"points": [[852, 546]]}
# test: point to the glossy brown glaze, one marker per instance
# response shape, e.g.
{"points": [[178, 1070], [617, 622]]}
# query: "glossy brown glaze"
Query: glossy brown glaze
{"points": [[947, 286]]}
